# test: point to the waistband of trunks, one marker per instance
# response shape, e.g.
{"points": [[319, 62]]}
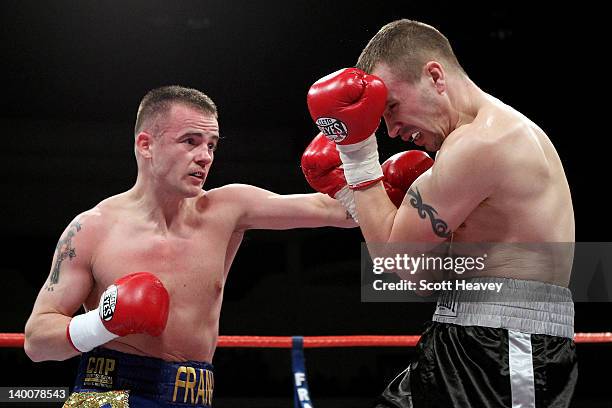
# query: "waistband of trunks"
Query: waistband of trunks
{"points": [[526, 306], [189, 382]]}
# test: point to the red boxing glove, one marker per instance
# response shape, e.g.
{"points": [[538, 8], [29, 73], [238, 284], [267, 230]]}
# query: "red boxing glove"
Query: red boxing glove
{"points": [[321, 166], [401, 170], [322, 169], [136, 303], [347, 105]]}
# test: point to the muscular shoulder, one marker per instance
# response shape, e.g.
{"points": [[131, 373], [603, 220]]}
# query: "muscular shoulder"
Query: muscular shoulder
{"points": [[93, 225], [237, 193], [468, 156], [490, 143], [230, 191], [500, 146], [229, 202], [81, 237]]}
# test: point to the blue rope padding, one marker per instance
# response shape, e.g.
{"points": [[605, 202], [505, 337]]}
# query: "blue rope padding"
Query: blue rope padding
{"points": [[301, 395]]}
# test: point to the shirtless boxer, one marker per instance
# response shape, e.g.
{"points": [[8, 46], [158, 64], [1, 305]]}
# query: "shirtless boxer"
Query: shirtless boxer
{"points": [[150, 264], [497, 178]]}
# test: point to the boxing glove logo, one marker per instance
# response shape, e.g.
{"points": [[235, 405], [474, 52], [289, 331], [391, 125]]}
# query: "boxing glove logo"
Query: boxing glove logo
{"points": [[334, 129], [108, 301]]}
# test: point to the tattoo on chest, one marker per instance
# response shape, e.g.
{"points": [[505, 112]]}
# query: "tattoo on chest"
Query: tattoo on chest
{"points": [[63, 250], [439, 226]]}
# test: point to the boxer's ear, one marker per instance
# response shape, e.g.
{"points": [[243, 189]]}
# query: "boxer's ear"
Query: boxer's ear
{"points": [[434, 72], [143, 144]]}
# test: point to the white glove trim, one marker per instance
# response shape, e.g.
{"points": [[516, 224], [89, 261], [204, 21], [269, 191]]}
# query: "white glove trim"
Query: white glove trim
{"points": [[86, 331], [360, 162]]}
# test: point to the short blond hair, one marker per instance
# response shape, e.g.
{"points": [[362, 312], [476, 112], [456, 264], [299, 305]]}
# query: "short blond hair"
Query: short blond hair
{"points": [[159, 101], [406, 46]]}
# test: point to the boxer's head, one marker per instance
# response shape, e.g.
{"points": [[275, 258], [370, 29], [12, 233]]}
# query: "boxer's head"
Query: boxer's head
{"points": [[176, 134], [415, 61]]}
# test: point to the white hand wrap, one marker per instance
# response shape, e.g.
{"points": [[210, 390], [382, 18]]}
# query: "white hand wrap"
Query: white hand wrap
{"points": [[346, 198], [86, 331], [360, 162]]}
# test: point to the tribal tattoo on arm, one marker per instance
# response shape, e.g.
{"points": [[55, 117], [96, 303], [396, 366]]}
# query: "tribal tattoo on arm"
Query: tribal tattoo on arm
{"points": [[64, 250], [440, 227]]}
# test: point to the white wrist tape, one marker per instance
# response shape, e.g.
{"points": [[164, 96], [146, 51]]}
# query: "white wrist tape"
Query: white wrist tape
{"points": [[347, 199], [360, 162], [86, 331]]}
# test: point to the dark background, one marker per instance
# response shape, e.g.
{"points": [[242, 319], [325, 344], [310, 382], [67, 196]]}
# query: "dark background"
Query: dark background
{"points": [[72, 77]]}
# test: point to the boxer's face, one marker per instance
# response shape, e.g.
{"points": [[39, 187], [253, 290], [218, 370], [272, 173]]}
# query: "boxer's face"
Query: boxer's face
{"points": [[414, 111], [184, 150]]}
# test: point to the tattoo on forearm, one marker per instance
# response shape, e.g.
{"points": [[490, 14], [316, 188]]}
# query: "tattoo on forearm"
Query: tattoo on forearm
{"points": [[440, 228], [63, 250]]}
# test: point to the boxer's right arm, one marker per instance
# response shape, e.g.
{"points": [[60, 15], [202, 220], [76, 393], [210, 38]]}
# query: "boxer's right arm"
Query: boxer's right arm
{"points": [[66, 289], [135, 303]]}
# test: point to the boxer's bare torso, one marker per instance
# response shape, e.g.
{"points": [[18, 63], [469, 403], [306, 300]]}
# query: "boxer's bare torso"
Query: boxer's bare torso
{"points": [[191, 254], [530, 202], [191, 257]]}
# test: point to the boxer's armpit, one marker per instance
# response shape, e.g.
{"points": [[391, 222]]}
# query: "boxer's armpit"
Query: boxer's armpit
{"points": [[439, 226], [63, 250]]}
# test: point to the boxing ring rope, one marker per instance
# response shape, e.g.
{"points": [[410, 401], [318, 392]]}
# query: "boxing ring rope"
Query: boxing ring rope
{"points": [[297, 344], [17, 339]]}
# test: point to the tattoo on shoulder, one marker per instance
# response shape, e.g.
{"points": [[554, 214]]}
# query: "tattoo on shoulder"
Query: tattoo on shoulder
{"points": [[63, 250], [439, 226]]}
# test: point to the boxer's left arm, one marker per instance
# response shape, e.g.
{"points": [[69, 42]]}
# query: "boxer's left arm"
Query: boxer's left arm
{"points": [[262, 209], [438, 202]]}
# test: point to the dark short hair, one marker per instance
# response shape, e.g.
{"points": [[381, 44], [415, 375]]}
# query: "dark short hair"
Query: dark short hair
{"points": [[406, 46], [160, 100]]}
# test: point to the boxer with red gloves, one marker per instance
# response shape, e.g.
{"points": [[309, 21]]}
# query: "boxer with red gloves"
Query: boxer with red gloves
{"points": [[157, 341], [497, 179], [136, 303]]}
